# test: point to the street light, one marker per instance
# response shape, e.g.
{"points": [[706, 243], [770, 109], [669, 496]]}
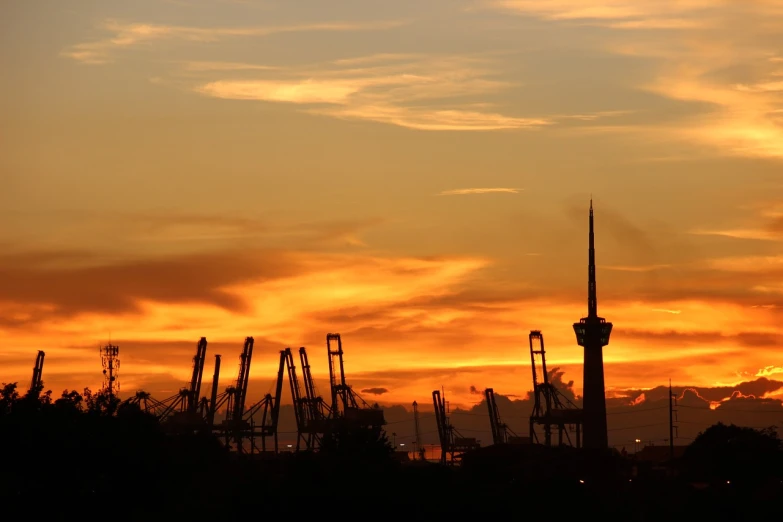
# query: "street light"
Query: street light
{"points": [[636, 445]]}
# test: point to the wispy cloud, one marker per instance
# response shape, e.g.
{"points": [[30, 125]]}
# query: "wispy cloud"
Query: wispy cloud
{"points": [[461, 192], [620, 14], [127, 35], [640, 268], [747, 263], [664, 310], [741, 233], [416, 92], [225, 66], [734, 82]]}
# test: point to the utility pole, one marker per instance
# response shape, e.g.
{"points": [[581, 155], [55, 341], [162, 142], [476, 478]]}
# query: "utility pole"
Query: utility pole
{"points": [[672, 427]]}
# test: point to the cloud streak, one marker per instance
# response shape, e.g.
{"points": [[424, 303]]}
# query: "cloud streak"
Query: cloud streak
{"points": [[738, 112], [434, 93], [462, 192], [126, 35]]}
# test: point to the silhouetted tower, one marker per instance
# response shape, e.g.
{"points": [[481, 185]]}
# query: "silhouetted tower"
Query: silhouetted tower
{"points": [[37, 381], [592, 332], [195, 380], [110, 360]]}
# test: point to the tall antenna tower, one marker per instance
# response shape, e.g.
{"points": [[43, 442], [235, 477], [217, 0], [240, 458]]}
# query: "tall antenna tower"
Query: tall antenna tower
{"points": [[110, 360]]}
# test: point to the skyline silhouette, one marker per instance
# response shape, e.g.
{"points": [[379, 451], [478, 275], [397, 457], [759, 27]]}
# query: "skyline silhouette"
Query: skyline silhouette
{"points": [[588, 425], [364, 218]]}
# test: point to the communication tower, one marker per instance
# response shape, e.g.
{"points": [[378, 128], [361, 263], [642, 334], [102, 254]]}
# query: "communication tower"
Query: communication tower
{"points": [[110, 360]]}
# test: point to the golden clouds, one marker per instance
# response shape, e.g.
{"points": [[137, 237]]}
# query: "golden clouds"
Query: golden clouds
{"points": [[297, 143], [308, 91], [699, 62], [409, 324]]}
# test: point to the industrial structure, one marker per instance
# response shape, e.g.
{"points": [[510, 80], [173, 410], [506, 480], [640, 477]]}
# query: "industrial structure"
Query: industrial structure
{"points": [[501, 433], [592, 332], [555, 420], [110, 360], [348, 408], [36, 383], [452, 444], [551, 409], [247, 429]]}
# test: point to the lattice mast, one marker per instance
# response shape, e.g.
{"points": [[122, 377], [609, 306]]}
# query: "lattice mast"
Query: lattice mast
{"points": [[110, 360]]}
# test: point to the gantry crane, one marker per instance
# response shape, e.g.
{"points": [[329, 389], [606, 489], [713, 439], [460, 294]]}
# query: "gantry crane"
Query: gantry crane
{"points": [[310, 412], [181, 409], [551, 407], [452, 444], [345, 407], [195, 381], [296, 396], [316, 413], [269, 406], [209, 406], [234, 424], [501, 433], [36, 383]]}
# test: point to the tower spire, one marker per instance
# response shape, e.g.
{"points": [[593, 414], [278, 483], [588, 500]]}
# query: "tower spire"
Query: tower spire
{"points": [[592, 332], [592, 297]]}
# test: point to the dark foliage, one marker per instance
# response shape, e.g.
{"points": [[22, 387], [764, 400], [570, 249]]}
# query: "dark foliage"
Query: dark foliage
{"points": [[744, 456]]}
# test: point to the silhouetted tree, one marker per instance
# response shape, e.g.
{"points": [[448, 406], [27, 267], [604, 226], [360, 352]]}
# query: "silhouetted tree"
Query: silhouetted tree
{"points": [[366, 444], [101, 403], [733, 453], [8, 397], [70, 400]]}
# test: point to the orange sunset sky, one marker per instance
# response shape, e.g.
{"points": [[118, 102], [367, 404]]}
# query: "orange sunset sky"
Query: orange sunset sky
{"points": [[414, 175]]}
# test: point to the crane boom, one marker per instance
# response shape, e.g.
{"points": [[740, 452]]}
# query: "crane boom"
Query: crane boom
{"points": [[36, 382], [195, 381]]}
